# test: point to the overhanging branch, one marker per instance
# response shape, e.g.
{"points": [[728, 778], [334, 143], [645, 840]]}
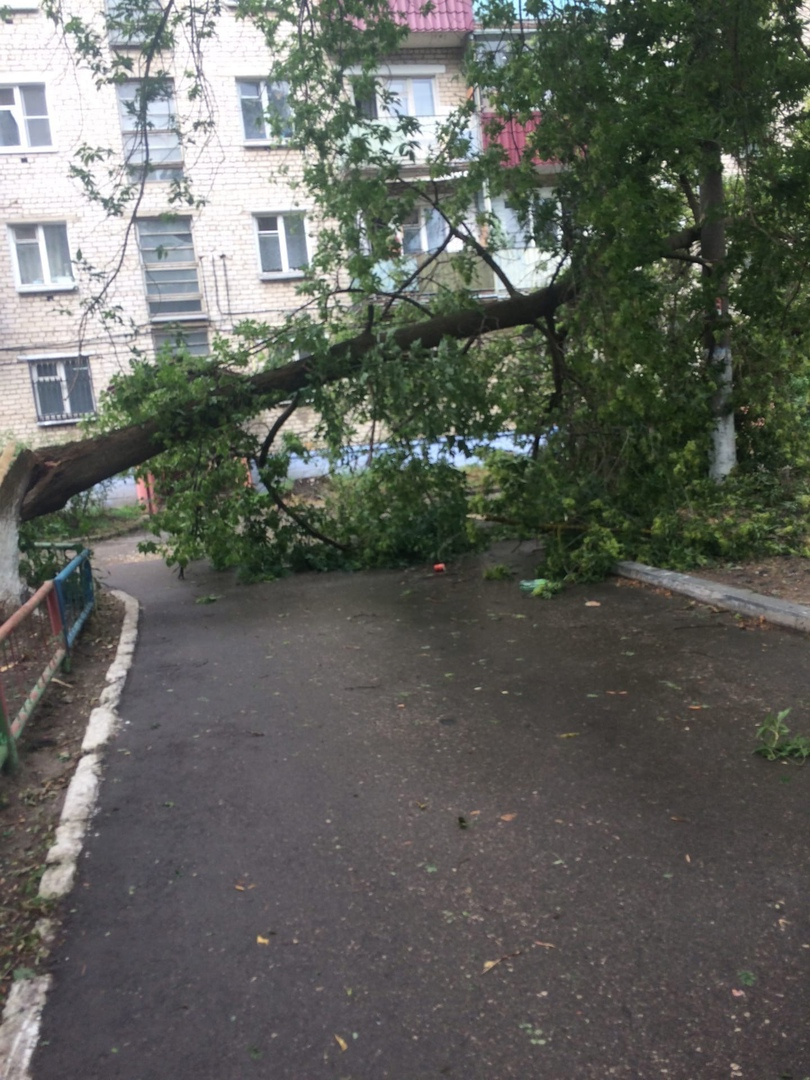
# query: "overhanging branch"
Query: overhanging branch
{"points": [[59, 472]]}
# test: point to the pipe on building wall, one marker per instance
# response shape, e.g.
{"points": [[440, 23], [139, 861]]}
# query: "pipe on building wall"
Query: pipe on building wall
{"points": [[216, 284], [224, 257]]}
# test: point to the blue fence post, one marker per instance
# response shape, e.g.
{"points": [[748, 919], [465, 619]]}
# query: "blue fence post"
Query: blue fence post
{"points": [[76, 597], [8, 745]]}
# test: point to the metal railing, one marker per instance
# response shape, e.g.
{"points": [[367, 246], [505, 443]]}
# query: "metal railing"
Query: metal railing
{"points": [[34, 642], [74, 592]]}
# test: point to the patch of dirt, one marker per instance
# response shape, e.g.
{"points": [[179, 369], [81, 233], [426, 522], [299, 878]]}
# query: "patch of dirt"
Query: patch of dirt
{"points": [[31, 799], [785, 576]]}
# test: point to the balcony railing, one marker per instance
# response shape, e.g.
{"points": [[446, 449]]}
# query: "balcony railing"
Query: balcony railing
{"points": [[384, 138], [527, 268]]}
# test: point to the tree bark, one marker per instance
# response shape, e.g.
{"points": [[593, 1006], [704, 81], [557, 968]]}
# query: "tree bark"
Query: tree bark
{"points": [[15, 470]]}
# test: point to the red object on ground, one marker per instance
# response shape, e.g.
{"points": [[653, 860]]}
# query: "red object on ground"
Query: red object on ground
{"points": [[438, 568]]}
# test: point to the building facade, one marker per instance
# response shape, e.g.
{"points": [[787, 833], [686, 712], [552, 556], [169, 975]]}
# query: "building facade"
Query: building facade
{"points": [[238, 254]]}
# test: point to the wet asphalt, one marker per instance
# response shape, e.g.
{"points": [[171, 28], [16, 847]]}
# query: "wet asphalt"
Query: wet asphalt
{"points": [[407, 825]]}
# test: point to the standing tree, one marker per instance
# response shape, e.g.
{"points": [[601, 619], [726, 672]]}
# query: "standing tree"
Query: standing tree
{"points": [[677, 134]]}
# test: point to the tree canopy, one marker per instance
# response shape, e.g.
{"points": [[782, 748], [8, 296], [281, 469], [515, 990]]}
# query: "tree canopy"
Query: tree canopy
{"points": [[658, 383]]}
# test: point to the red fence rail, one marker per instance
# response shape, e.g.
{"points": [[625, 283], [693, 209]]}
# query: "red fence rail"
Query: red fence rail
{"points": [[34, 641]]}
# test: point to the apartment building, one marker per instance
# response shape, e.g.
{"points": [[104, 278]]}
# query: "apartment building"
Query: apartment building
{"points": [[238, 254]]}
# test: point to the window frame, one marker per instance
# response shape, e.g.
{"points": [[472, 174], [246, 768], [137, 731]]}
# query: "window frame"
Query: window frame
{"points": [[377, 108], [19, 7], [51, 285], [21, 118], [116, 35], [410, 263], [177, 336], [371, 108], [61, 360], [385, 110], [529, 232], [267, 136], [159, 265], [286, 273], [136, 139], [423, 213]]}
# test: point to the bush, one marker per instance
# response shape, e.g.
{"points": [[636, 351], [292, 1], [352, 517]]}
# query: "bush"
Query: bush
{"points": [[402, 509]]}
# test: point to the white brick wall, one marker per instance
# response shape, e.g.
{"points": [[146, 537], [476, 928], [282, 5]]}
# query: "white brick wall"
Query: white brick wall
{"points": [[236, 181]]}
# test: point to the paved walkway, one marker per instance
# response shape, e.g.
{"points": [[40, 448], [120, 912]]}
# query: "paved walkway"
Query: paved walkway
{"points": [[396, 825]]}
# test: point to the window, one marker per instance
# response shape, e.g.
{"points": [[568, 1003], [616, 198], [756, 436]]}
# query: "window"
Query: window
{"points": [[534, 225], [266, 113], [492, 53], [132, 22], [149, 126], [24, 117], [62, 388], [194, 340], [170, 268], [417, 239], [42, 257], [515, 234], [403, 97], [423, 231], [282, 243], [410, 97]]}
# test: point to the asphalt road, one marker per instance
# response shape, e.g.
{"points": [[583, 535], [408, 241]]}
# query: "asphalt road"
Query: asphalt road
{"points": [[398, 825]]}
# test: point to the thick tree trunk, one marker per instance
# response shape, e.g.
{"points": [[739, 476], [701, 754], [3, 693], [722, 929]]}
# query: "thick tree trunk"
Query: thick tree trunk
{"points": [[15, 471], [717, 338]]}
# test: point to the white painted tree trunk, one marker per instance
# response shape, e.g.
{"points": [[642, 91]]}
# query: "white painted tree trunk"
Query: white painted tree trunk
{"points": [[716, 336], [15, 470], [723, 456]]}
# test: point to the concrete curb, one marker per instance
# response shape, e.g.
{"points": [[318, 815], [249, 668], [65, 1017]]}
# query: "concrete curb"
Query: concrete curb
{"points": [[19, 1029], [756, 606]]}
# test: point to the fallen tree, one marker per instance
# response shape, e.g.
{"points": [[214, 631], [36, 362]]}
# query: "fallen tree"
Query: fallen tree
{"points": [[662, 119], [56, 473]]}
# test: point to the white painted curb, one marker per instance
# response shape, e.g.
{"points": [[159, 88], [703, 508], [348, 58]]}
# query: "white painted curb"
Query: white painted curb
{"points": [[82, 793], [19, 1029], [755, 605]]}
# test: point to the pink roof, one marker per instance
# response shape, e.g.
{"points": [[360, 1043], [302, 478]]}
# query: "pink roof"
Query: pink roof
{"points": [[512, 137], [446, 15]]}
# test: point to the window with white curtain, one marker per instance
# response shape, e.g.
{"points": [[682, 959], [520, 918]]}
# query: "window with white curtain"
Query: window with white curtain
{"points": [[41, 257], [266, 112], [282, 242], [24, 122]]}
